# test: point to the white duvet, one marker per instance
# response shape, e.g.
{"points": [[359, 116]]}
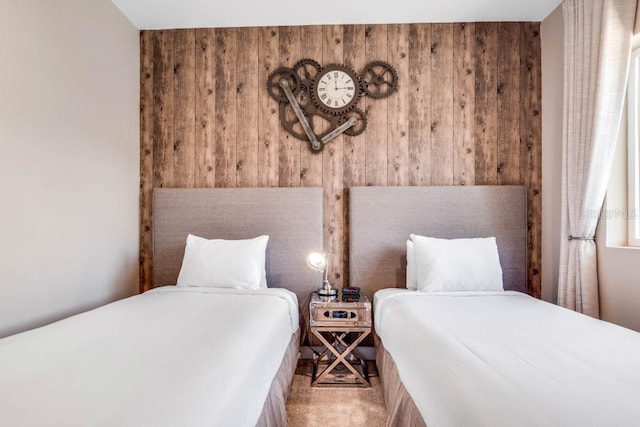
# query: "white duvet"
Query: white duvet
{"points": [[507, 359], [169, 357]]}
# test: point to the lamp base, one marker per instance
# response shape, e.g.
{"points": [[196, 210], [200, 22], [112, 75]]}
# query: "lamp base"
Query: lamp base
{"points": [[328, 292]]}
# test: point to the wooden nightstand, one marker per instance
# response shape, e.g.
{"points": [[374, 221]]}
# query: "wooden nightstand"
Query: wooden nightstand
{"points": [[340, 327]]}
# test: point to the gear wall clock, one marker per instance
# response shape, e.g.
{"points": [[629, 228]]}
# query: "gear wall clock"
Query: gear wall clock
{"points": [[316, 103]]}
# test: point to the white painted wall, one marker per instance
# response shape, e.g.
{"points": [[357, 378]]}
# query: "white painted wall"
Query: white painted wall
{"points": [[552, 36], [69, 159]]}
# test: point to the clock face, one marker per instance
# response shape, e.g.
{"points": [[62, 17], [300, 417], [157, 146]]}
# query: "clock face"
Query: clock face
{"points": [[336, 89]]}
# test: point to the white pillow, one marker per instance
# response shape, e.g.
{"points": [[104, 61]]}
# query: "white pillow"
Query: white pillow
{"points": [[412, 280], [457, 264], [224, 263]]}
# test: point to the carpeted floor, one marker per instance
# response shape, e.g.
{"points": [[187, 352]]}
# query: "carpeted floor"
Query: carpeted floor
{"points": [[331, 406]]}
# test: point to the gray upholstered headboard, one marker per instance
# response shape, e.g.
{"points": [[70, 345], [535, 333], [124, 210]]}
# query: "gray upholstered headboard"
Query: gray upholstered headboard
{"points": [[292, 217], [381, 219]]}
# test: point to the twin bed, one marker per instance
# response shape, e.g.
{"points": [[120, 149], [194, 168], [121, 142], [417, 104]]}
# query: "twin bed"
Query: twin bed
{"points": [[179, 355], [217, 355], [482, 358]]}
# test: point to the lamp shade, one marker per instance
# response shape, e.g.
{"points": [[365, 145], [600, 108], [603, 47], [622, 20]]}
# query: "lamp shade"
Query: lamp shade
{"points": [[317, 261]]}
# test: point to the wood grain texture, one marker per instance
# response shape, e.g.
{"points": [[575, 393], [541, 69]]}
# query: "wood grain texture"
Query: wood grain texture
{"points": [[355, 147], [419, 104], [376, 136], [247, 90], [467, 113], [311, 39], [146, 155], [531, 145], [335, 233], [463, 104], [289, 146], [205, 150], [184, 117], [225, 104], [268, 122], [486, 114], [163, 99], [508, 101], [442, 104], [398, 107]]}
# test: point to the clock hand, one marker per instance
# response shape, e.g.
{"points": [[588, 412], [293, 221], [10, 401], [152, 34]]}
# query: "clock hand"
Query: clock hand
{"points": [[315, 144], [340, 129]]}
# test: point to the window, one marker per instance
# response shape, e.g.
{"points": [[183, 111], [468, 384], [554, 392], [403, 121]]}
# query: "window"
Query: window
{"points": [[633, 153]]}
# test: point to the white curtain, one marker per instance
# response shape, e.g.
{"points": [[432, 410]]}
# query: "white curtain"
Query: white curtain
{"points": [[597, 48]]}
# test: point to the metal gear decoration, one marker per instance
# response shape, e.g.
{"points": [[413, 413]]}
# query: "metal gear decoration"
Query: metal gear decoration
{"points": [[327, 98], [304, 100], [273, 83], [292, 124], [361, 122], [307, 69], [331, 68], [379, 79]]}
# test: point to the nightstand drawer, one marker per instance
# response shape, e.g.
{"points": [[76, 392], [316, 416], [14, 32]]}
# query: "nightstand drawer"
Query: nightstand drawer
{"points": [[332, 313]]}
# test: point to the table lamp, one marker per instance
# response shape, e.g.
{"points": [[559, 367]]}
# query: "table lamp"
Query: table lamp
{"points": [[319, 261]]}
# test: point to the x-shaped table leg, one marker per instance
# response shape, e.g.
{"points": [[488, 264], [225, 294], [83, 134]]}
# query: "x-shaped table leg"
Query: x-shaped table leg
{"points": [[355, 354], [340, 357]]}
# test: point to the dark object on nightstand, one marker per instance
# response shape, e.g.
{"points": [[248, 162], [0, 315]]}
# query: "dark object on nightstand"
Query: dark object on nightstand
{"points": [[350, 297], [350, 294]]}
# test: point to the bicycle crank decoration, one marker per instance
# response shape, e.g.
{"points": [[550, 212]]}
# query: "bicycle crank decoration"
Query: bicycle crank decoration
{"points": [[317, 104]]}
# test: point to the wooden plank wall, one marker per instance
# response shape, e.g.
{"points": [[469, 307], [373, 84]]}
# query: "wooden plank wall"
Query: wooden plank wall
{"points": [[467, 113]]}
